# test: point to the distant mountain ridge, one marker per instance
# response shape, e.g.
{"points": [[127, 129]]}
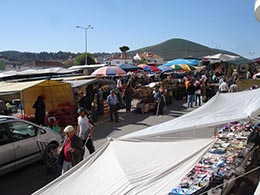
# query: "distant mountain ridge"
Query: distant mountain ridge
{"points": [[170, 49], [180, 48]]}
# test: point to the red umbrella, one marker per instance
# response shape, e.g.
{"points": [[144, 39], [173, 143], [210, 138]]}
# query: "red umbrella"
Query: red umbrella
{"points": [[109, 71], [146, 67], [154, 68]]}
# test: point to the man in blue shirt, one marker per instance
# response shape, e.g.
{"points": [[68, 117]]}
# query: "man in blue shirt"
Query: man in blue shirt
{"points": [[112, 102]]}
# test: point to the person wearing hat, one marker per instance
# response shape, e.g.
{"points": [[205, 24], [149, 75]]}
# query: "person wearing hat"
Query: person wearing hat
{"points": [[85, 131], [112, 101], [71, 152]]}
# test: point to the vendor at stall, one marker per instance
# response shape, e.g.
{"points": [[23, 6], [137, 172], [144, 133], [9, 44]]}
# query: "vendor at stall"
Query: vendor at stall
{"points": [[160, 102]]}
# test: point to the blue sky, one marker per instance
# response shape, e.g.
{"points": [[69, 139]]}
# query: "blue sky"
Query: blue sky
{"points": [[49, 25]]}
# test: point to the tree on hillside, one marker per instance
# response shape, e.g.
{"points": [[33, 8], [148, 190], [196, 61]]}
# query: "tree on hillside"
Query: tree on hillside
{"points": [[124, 49], [2, 65], [80, 59]]}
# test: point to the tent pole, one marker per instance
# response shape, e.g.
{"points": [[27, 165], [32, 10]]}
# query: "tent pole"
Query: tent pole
{"points": [[22, 107], [50, 94]]}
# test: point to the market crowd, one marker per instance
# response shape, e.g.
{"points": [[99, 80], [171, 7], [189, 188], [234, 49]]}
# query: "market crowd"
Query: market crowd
{"points": [[157, 90]]}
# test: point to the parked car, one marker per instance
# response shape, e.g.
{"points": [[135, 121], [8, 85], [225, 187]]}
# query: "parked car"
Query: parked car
{"points": [[23, 142]]}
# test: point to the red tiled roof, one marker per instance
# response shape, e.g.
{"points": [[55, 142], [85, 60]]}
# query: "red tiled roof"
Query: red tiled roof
{"points": [[149, 55]]}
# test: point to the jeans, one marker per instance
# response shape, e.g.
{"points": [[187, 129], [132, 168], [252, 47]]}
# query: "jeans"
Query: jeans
{"points": [[66, 166], [197, 99], [191, 100]]}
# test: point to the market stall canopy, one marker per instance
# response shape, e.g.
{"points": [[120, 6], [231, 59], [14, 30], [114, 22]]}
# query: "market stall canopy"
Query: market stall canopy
{"points": [[109, 71], [240, 61], [128, 67], [222, 108], [125, 167], [80, 67], [79, 83], [257, 191], [221, 57], [54, 92], [182, 61], [184, 67], [257, 60], [165, 69], [27, 72]]}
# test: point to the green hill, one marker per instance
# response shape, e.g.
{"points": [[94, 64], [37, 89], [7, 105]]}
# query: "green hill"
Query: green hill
{"points": [[21, 58], [180, 48]]}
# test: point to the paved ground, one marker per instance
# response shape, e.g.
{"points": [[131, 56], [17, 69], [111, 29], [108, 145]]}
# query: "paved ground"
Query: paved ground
{"points": [[29, 179]]}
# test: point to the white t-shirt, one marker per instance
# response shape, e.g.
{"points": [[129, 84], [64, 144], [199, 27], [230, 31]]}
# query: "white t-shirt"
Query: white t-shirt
{"points": [[83, 127], [204, 78], [223, 87], [119, 83]]}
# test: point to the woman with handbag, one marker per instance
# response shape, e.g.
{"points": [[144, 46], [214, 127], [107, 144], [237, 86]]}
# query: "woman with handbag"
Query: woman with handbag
{"points": [[71, 152]]}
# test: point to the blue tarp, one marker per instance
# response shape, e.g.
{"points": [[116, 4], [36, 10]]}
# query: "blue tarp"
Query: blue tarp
{"points": [[193, 62]]}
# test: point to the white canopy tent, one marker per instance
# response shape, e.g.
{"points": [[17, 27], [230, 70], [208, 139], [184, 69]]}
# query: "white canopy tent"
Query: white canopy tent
{"points": [[125, 167], [152, 161], [222, 108], [257, 191], [257, 9], [221, 57]]}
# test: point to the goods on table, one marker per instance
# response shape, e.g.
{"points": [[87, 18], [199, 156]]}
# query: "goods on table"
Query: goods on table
{"points": [[144, 92], [143, 107], [221, 161], [65, 114]]}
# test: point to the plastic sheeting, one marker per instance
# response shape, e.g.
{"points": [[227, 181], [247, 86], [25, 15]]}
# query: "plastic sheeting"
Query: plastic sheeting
{"points": [[152, 161], [222, 108], [124, 167], [257, 191]]}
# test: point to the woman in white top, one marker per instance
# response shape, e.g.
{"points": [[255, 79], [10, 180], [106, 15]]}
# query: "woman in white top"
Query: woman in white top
{"points": [[85, 130]]}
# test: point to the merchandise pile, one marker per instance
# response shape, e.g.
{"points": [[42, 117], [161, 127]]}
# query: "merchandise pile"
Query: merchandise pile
{"points": [[144, 92], [221, 162], [65, 114]]}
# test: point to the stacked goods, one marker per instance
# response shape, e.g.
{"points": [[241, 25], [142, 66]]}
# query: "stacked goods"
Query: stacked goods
{"points": [[144, 92], [225, 158], [106, 109], [65, 114], [143, 107]]}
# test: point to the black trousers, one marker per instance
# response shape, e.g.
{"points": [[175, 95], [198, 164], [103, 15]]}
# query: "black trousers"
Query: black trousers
{"points": [[113, 112], [89, 145]]}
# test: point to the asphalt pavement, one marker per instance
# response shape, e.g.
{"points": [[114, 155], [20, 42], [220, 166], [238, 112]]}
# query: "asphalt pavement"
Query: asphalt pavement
{"points": [[32, 177]]}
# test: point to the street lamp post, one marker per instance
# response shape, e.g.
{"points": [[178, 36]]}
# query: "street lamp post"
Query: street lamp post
{"points": [[86, 40]]}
